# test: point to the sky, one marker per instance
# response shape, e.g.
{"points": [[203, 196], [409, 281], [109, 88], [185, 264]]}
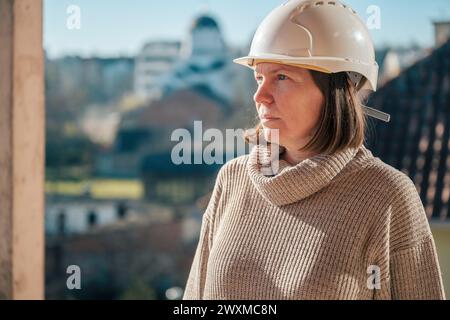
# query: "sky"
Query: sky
{"points": [[121, 27]]}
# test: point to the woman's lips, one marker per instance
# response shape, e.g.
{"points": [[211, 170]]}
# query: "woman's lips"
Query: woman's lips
{"points": [[269, 118]]}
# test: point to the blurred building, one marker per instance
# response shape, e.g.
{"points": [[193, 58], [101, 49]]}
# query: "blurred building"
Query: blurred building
{"points": [[166, 182], [155, 60], [205, 62], [96, 79], [392, 61], [441, 32], [201, 60], [200, 86], [147, 130], [76, 216], [73, 84], [138, 259]]}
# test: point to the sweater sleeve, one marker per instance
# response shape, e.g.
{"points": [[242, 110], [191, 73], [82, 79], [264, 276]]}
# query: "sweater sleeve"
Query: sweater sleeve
{"points": [[415, 273], [413, 262], [197, 275]]}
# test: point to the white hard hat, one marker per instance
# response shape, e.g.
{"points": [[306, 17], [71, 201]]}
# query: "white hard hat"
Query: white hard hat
{"points": [[326, 36]]}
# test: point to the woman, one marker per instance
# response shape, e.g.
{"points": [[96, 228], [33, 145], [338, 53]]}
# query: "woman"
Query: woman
{"points": [[332, 221]]}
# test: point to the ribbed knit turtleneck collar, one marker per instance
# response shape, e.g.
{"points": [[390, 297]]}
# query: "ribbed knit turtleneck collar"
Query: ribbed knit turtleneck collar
{"points": [[292, 183]]}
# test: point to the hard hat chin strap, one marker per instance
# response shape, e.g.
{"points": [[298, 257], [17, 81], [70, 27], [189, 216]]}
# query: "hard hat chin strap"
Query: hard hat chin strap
{"points": [[376, 113]]}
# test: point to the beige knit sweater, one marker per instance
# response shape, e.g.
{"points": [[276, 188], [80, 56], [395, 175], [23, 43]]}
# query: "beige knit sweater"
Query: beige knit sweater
{"points": [[345, 226]]}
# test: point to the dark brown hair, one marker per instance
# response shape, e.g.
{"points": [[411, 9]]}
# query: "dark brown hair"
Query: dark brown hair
{"points": [[342, 122]]}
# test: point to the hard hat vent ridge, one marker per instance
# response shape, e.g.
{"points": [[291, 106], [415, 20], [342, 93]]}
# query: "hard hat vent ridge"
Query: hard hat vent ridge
{"points": [[310, 4]]}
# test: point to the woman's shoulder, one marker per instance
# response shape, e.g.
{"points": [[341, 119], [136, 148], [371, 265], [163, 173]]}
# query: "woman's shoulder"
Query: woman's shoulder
{"points": [[393, 180], [371, 171], [385, 184], [398, 191], [393, 190]]}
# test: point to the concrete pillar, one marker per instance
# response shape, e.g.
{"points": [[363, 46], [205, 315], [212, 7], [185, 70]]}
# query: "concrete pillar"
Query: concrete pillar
{"points": [[22, 124]]}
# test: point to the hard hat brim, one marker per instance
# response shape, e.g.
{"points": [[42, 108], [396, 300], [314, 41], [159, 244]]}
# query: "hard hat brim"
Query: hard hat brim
{"points": [[252, 61]]}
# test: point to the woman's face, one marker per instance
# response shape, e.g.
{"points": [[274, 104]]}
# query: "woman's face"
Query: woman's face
{"points": [[288, 99]]}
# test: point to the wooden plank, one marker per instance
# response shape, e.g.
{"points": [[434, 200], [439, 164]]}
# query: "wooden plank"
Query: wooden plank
{"points": [[22, 136]]}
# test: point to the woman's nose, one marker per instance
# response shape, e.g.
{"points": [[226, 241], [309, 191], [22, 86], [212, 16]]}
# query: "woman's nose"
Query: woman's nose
{"points": [[263, 95]]}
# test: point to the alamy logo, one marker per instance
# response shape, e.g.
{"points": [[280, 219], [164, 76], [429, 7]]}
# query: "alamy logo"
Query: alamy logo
{"points": [[191, 147], [74, 280], [374, 20], [374, 280], [74, 19]]}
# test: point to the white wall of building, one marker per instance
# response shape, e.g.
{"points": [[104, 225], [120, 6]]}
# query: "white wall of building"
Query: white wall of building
{"points": [[155, 59], [77, 216]]}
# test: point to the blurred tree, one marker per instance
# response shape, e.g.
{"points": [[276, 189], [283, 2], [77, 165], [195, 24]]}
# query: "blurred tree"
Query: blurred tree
{"points": [[138, 290], [65, 151]]}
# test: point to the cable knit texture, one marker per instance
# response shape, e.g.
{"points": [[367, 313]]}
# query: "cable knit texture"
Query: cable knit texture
{"points": [[342, 226]]}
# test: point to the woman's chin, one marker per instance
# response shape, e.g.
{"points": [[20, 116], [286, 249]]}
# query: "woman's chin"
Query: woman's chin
{"points": [[271, 134], [271, 125]]}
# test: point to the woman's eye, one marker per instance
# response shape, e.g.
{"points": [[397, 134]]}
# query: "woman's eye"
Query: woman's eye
{"points": [[282, 77], [258, 79]]}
